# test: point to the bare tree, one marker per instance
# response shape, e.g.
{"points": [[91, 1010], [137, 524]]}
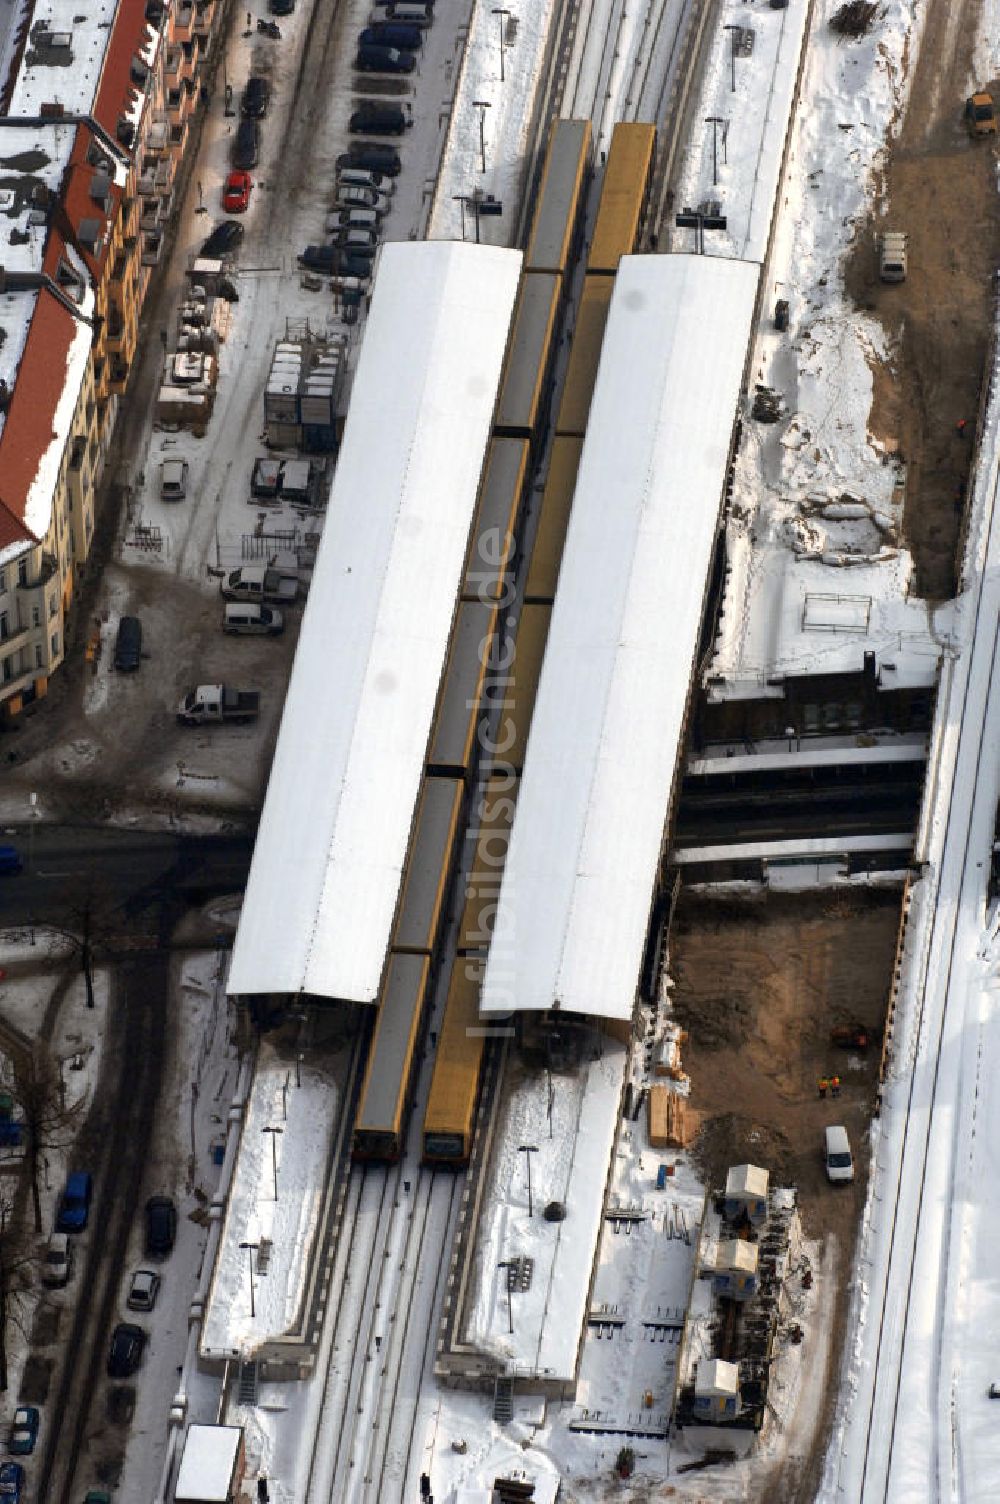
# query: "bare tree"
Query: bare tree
{"points": [[49, 1123], [18, 1262]]}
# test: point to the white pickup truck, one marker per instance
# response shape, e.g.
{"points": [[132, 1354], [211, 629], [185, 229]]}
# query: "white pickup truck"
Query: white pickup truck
{"points": [[211, 704], [260, 582]]}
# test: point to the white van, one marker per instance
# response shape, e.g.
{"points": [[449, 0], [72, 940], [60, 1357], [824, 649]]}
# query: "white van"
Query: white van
{"points": [[839, 1163], [246, 620]]}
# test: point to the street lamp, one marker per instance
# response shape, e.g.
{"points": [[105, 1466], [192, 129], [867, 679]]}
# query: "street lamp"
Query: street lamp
{"points": [[507, 1265], [251, 1248], [735, 33], [274, 1155], [715, 121], [501, 12], [33, 801], [482, 105], [528, 1150]]}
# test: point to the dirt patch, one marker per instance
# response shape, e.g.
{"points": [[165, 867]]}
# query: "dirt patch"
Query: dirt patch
{"points": [[940, 188], [760, 987]]}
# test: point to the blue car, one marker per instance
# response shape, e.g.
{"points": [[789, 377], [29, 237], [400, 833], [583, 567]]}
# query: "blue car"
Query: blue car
{"points": [[11, 1482], [23, 1431], [74, 1205], [10, 859]]}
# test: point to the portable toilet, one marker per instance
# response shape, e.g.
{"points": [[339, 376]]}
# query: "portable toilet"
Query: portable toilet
{"points": [[735, 1274], [716, 1391], [746, 1194]]}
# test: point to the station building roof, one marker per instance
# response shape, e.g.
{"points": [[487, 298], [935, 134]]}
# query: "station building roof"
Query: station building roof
{"points": [[609, 716], [337, 817]]}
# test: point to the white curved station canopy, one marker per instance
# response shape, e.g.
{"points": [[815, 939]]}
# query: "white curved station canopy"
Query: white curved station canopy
{"points": [[336, 823], [609, 716]]}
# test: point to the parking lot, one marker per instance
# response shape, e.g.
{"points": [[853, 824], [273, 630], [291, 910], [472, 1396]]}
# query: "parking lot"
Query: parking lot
{"points": [[120, 751]]}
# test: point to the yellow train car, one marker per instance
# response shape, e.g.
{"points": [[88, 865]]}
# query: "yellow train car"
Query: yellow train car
{"points": [[451, 1107], [553, 519], [380, 1126], [623, 196], [525, 388], [429, 865], [459, 709], [489, 827], [529, 650], [584, 355], [494, 532], [562, 194]]}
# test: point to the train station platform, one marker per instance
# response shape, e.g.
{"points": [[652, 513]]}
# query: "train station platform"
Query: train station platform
{"points": [[527, 1278]]}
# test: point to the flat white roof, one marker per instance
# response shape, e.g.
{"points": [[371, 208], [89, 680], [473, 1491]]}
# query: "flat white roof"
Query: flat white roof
{"points": [[333, 835], [580, 871], [206, 1471]]}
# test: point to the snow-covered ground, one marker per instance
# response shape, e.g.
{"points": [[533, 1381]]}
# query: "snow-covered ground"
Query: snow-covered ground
{"points": [[818, 575], [915, 1405]]}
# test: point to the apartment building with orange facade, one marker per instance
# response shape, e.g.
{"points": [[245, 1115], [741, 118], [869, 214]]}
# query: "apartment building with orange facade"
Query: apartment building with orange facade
{"points": [[97, 122]]}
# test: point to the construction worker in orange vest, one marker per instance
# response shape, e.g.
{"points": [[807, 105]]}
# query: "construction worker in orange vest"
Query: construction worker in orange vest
{"points": [[835, 1086], [823, 1084]]}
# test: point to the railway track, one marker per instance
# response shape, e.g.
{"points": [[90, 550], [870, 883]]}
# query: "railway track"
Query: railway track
{"points": [[919, 1255]]}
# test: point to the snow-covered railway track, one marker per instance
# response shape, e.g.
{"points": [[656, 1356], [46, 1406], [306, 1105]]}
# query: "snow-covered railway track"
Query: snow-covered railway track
{"points": [[388, 1278], [899, 1443], [356, 1281], [411, 1339]]}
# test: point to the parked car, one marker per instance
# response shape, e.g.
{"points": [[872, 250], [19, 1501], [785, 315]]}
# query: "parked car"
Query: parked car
{"points": [[173, 480], [412, 12], [262, 583], [10, 860], [125, 1352], [355, 238], [256, 97], [362, 198], [281, 7], [241, 619], [128, 644], [363, 177], [97, 1496], [378, 120], [371, 154], [392, 34], [376, 59], [837, 1155], [143, 1290], [74, 1203], [214, 705], [352, 219], [236, 192], [11, 1482], [57, 1265], [355, 264], [24, 1431], [246, 144], [224, 239], [161, 1224], [319, 258]]}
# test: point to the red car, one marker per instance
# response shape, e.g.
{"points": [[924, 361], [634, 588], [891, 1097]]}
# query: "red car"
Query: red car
{"points": [[236, 192]]}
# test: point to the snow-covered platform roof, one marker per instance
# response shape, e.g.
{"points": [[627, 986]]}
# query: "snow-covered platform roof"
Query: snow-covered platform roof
{"points": [[336, 822], [608, 719], [570, 1151]]}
